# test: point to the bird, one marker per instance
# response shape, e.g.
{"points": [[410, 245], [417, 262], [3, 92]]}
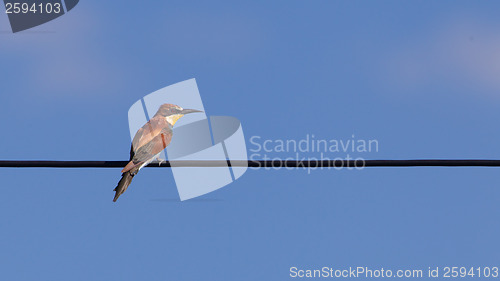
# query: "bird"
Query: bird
{"points": [[149, 141]]}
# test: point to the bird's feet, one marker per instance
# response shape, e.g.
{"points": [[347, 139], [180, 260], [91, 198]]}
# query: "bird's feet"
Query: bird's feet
{"points": [[160, 160]]}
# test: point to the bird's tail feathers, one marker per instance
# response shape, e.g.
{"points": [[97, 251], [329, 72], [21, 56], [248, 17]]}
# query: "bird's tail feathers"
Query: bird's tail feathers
{"points": [[123, 184]]}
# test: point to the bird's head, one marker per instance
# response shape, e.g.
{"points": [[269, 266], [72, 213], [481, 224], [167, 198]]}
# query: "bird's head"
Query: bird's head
{"points": [[173, 112]]}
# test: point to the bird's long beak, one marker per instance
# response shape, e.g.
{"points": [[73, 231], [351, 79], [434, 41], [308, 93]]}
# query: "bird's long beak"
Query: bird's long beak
{"points": [[187, 111]]}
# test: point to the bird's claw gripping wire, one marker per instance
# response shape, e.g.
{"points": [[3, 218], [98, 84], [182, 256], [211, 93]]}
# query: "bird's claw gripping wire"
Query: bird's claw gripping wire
{"points": [[160, 161]]}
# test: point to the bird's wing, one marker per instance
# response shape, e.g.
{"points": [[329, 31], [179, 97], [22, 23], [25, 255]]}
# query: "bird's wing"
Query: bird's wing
{"points": [[148, 132], [150, 149]]}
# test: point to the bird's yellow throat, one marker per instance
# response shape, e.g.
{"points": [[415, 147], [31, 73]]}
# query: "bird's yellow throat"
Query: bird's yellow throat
{"points": [[173, 118]]}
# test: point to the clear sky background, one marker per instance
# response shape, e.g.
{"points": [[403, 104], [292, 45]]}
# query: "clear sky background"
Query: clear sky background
{"points": [[421, 77]]}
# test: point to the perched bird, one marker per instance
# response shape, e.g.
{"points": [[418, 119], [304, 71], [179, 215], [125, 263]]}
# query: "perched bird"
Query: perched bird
{"points": [[150, 141]]}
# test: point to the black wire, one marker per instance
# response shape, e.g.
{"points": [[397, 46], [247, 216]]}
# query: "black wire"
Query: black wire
{"points": [[261, 163]]}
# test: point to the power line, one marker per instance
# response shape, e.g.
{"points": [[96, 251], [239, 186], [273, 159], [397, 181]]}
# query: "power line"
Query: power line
{"points": [[260, 163]]}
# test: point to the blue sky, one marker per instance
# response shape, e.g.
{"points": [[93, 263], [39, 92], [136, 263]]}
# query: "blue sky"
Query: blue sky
{"points": [[420, 77]]}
